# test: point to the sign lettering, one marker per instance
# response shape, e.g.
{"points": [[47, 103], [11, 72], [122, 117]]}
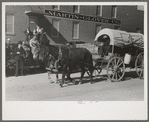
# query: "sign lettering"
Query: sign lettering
{"points": [[81, 17]]}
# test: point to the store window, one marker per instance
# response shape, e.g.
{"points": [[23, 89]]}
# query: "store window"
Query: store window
{"points": [[99, 11], [76, 9], [98, 28], [55, 28], [56, 7], [33, 21], [75, 30], [114, 11], [10, 24]]}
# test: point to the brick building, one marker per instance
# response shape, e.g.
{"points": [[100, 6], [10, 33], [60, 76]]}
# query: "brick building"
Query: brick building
{"points": [[64, 23]]}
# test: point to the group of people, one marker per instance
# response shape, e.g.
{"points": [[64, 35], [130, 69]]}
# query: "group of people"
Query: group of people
{"points": [[22, 50]]}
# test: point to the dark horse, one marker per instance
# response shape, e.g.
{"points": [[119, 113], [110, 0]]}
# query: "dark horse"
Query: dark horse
{"points": [[71, 57]]}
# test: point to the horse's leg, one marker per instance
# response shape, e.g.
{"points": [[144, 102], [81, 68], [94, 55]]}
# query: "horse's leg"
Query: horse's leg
{"points": [[68, 77], [57, 78], [49, 77], [69, 69], [91, 69], [63, 75], [82, 73]]}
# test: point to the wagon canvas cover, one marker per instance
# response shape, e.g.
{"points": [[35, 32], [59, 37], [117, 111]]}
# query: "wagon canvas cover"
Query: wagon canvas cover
{"points": [[122, 38]]}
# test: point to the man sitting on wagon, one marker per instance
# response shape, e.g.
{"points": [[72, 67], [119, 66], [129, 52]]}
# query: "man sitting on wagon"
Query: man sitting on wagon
{"points": [[103, 46]]}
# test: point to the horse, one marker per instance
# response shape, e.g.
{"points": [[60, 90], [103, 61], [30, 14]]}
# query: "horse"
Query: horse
{"points": [[71, 57], [32, 39]]}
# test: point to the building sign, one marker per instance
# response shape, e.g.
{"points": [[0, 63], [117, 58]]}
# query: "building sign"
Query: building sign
{"points": [[81, 17]]}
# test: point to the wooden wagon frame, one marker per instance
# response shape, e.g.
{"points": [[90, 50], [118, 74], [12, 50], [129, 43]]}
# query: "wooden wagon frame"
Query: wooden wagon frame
{"points": [[121, 44]]}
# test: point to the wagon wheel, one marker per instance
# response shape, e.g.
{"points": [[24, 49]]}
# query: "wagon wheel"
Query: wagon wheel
{"points": [[115, 69], [139, 65]]}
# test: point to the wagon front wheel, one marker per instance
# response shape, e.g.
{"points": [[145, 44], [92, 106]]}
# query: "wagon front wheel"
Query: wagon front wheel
{"points": [[139, 65], [115, 69]]}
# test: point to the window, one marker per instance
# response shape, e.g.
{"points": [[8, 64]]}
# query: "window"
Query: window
{"points": [[76, 9], [33, 21], [75, 30], [10, 24], [55, 28], [56, 7], [114, 11], [98, 28], [99, 11]]}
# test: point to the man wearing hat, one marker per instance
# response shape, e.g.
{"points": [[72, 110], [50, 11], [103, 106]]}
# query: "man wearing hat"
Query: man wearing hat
{"points": [[19, 58]]}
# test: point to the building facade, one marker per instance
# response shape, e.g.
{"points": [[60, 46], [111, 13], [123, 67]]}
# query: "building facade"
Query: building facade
{"points": [[65, 23]]}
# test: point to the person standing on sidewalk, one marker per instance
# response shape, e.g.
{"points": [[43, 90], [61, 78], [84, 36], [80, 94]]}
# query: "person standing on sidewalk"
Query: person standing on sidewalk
{"points": [[19, 58]]}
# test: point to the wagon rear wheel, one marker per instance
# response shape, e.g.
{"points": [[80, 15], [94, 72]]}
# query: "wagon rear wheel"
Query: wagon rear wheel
{"points": [[139, 65], [115, 69]]}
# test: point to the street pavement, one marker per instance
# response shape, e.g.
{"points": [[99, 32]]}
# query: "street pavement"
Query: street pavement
{"points": [[37, 87]]}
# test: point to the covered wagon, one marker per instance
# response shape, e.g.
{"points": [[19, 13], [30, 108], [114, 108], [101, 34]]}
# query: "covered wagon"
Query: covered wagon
{"points": [[117, 50]]}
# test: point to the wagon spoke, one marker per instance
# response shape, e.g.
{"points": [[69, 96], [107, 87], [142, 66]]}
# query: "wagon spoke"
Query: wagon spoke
{"points": [[118, 61], [120, 64], [115, 62], [119, 75], [113, 75]]}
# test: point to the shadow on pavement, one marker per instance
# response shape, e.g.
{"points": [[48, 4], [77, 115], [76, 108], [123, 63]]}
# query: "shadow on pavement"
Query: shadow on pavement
{"points": [[30, 71], [86, 79], [130, 75]]}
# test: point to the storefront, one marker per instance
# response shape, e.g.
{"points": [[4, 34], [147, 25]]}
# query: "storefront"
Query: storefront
{"points": [[64, 24]]}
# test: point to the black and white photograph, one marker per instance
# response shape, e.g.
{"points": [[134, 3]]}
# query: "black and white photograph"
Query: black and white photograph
{"points": [[74, 61]]}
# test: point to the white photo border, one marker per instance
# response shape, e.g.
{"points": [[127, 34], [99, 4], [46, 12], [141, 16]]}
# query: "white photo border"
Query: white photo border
{"points": [[104, 110]]}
